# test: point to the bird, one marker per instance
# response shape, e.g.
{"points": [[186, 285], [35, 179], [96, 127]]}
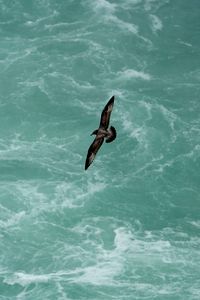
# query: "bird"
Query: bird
{"points": [[103, 132]]}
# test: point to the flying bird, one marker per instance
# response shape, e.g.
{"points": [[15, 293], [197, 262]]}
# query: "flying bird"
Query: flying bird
{"points": [[103, 132]]}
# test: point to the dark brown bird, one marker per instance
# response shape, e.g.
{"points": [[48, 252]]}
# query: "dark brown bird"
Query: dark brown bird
{"points": [[101, 133]]}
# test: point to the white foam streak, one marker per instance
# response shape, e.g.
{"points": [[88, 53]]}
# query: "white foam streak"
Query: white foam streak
{"points": [[122, 24], [148, 4], [133, 74], [100, 274], [184, 43], [110, 263], [103, 6], [72, 196], [40, 20], [134, 131], [14, 57], [13, 220], [123, 239], [156, 23], [132, 251], [40, 83], [128, 4], [61, 25], [107, 10], [25, 279], [195, 224], [103, 276]]}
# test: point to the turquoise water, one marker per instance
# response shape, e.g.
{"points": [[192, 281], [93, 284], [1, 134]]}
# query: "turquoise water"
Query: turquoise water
{"points": [[129, 226]]}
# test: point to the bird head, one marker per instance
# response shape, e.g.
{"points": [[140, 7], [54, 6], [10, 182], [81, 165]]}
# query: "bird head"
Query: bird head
{"points": [[94, 132]]}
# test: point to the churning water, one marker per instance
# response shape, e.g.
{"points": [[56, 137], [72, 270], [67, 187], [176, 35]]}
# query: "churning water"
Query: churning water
{"points": [[129, 226]]}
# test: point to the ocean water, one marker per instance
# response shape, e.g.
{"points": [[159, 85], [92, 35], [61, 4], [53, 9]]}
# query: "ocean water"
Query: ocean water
{"points": [[128, 228]]}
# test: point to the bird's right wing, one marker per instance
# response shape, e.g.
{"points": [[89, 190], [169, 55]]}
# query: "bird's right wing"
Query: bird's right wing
{"points": [[92, 151], [105, 115]]}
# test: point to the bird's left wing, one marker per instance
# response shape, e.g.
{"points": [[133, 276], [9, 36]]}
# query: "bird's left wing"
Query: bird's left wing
{"points": [[105, 115], [92, 151]]}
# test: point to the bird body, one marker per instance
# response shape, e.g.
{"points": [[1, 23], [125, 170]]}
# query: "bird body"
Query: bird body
{"points": [[103, 132]]}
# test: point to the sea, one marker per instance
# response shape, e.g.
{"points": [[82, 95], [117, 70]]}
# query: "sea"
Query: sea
{"points": [[127, 228]]}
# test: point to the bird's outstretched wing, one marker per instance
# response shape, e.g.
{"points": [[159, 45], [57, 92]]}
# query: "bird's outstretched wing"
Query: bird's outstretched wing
{"points": [[92, 151], [105, 115]]}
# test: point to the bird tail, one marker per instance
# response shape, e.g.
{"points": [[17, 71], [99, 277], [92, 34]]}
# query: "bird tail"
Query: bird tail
{"points": [[112, 134]]}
